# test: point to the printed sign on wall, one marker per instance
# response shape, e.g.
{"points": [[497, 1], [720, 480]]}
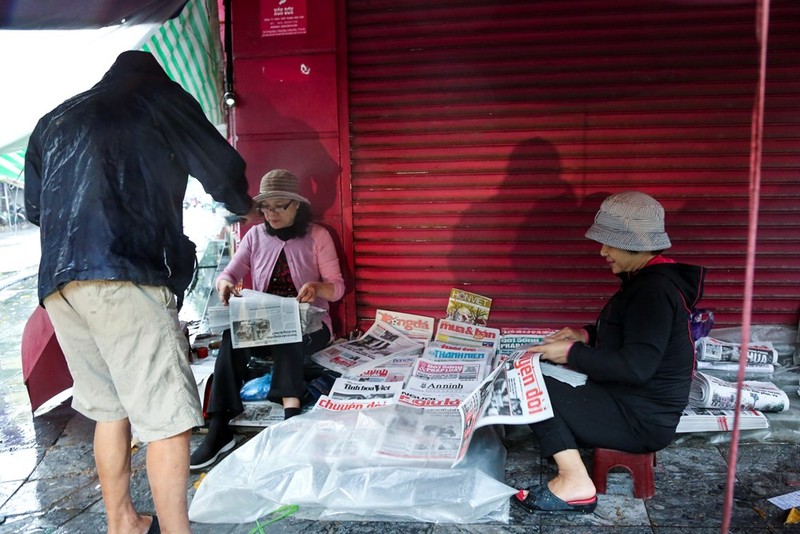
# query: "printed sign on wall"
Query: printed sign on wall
{"points": [[283, 17]]}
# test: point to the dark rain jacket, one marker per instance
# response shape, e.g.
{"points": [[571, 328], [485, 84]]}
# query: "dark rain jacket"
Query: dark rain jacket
{"points": [[106, 172], [641, 348]]}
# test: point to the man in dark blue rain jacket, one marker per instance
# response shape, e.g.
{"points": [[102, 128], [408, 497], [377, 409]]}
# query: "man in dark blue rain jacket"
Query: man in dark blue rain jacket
{"points": [[105, 176]]}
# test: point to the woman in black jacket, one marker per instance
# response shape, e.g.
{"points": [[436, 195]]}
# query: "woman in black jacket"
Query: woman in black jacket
{"points": [[638, 356]]}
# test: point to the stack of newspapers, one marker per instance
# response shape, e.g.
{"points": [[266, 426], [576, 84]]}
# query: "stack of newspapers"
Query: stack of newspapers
{"points": [[718, 419], [713, 404], [717, 355]]}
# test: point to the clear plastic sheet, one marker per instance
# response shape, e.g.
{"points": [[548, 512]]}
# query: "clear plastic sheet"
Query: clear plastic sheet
{"points": [[326, 463]]}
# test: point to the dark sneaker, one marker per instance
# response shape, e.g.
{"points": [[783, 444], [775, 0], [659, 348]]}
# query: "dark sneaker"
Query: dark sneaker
{"points": [[208, 453]]}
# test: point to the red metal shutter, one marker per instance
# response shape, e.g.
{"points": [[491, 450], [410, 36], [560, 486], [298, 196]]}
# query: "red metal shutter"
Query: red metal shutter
{"points": [[484, 136]]}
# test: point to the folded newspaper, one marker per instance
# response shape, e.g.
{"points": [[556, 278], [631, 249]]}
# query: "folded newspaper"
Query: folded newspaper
{"points": [[512, 339], [733, 367], [381, 343], [467, 307], [441, 351], [711, 392], [469, 335], [715, 350], [717, 419], [417, 327]]}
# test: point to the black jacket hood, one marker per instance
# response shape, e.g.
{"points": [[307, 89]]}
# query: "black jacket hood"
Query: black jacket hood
{"points": [[688, 279]]}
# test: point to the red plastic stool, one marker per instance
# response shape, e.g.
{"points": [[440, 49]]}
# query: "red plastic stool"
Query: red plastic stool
{"points": [[639, 465]]}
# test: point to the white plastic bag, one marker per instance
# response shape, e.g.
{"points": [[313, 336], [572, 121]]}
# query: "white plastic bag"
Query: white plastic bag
{"points": [[324, 462]]}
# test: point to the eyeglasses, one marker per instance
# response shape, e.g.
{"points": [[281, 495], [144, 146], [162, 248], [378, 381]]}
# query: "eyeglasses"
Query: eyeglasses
{"points": [[277, 209]]}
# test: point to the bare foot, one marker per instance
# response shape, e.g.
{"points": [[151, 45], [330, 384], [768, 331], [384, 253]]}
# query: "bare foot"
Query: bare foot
{"points": [[572, 489]]}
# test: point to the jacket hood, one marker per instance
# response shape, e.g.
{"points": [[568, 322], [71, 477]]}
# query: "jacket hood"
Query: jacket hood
{"points": [[688, 279], [135, 61]]}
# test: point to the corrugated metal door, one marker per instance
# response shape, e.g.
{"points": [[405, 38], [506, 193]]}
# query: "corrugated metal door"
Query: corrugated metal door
{"points": [[485, 135]]}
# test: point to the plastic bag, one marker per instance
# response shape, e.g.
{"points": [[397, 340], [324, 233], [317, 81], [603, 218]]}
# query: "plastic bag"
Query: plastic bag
{"points": [[257, 388], [702, 321], [322, 462]]}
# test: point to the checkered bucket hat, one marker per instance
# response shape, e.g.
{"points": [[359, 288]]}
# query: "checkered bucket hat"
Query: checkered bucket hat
{"points": [[630, 221]]}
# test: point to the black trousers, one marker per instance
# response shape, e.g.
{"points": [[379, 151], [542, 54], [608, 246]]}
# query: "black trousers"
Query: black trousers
{"points": [[291, 368], [589, 416]]}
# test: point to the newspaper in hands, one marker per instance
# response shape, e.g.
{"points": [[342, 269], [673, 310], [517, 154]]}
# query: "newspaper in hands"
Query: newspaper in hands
{"points": [[258, 318]]}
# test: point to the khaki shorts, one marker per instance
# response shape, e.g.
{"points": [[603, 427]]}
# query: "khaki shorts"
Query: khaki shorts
{"points": [[127, 355]]}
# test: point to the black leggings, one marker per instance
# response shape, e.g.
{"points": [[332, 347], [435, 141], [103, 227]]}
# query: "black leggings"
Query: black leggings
{"points": [[589, 416], [290, 370]]}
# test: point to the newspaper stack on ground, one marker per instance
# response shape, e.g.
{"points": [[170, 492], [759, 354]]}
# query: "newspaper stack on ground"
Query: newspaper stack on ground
{"points": [[718, 355], [378, 345], [417, 327], [368, 452], [454, 395], [441, 383], [513, 338], [395, 368], [441, 351], [259, 414], [716, 419], [733, 367], [711, 392], [354, 394], [469, 335]]}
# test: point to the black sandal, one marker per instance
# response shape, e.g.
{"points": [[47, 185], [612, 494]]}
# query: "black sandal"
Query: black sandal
{"points": [[541, 499]]}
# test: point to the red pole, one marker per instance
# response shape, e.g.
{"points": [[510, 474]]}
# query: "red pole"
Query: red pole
{"points": [[756, 145]]}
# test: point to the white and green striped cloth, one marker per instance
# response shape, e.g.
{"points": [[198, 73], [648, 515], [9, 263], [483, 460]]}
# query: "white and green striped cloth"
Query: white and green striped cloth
{"points": [[188, 47]]}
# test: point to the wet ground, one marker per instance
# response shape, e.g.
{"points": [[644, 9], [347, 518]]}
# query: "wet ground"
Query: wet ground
{"points": [[48, 481]]}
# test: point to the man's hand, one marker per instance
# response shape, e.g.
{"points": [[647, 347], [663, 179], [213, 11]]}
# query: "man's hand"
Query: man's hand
{"points": [[253, 216]]}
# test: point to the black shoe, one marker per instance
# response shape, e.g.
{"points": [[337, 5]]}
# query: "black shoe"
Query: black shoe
{"points": [[541, 499], [209, 452]]}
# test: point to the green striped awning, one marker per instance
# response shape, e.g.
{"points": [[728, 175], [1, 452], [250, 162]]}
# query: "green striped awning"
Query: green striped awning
{"points": [[11, 166], [188, 47]]}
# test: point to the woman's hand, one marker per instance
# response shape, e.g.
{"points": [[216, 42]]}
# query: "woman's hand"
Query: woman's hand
{"points": [[225, 289], [308, 292], [315, 290], [568, 334], [554, 351], [555, 347]]}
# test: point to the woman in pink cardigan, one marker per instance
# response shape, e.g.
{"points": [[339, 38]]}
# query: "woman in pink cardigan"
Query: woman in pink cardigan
{"points": [[287, 256]]}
